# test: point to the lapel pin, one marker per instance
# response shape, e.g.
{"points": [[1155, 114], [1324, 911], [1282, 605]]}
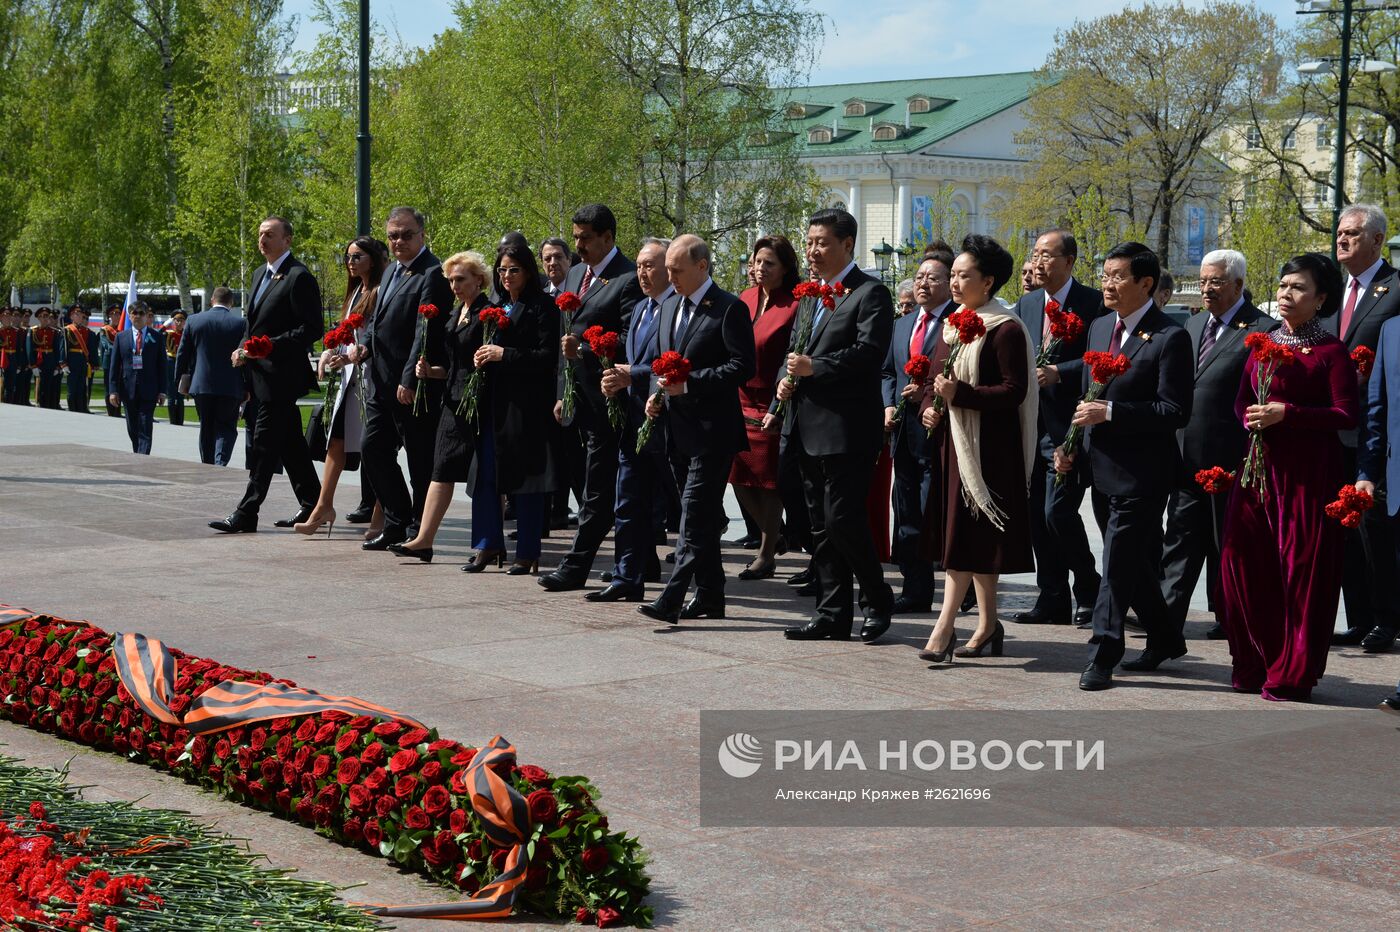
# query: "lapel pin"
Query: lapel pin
{"points": [[1144, 336], [1380, 290]]}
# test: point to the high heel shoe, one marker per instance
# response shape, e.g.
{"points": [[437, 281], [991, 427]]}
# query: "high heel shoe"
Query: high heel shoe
{"points": [[423, 554], [523, 568], [994, 641], [312, 524], [485, 558], [940, 656], [766, 572]]}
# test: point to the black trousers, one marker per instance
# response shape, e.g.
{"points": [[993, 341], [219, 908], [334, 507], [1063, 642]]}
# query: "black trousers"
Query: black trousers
{"points": [[842, 548], [140, 424], [79, 386], [1370, 590], [278, 438], [796, 520], [107, 392], [641, 508], [596, 509], [1058, 538], [1132, 553], [568, 448], [218, 427], [1195, 523], [698, 542], [913, 478], [50, 386], [390, 426]]}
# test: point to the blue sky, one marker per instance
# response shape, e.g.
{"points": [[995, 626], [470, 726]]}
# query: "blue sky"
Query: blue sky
{"points": [[914, 39]]}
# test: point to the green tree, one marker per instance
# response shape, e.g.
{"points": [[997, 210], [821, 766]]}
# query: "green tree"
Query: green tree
{"points": [[1269, 232]]}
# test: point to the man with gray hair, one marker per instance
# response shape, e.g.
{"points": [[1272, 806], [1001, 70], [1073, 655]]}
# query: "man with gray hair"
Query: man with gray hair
{"points": [[904, 302], [1213, 437], [1370, 589]]}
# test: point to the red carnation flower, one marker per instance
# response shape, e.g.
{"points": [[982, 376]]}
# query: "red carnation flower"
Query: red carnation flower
{"points": [[917, 368], [1365, 358], [1214, 480], [259, 347], [428, 311], [568, 302]]}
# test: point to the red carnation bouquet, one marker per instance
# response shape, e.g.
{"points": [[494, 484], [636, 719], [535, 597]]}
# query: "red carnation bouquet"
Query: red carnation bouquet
{"points": [[812, 292], [1365, 358], [341, 336], [259, 347], [1268, 356], [1065, 327], [426, 312], [1350, 503], [968, 323], [675, 369], [917, 368], [493, 320], [568, 304], [604, 344], [1104, 368], [1214, 480]]}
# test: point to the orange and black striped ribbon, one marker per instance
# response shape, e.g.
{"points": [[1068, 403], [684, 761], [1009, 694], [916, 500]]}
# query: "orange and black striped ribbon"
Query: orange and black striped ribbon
{"points": [[506, 818], [147, 669], [13, 615]]}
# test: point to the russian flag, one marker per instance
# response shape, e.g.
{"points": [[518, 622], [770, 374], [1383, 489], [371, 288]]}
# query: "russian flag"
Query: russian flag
{"points": [[124, 321]]}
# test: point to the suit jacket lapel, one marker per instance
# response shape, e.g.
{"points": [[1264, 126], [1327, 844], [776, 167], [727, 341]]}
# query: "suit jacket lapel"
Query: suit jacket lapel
{"points": [[1366, 303], [260, 299], [697, 316], [1035, 320], [827, 313], [1234, 330], [665, 320]]}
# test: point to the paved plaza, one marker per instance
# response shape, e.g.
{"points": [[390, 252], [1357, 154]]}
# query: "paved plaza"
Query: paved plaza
{"points": [[89, 530]]}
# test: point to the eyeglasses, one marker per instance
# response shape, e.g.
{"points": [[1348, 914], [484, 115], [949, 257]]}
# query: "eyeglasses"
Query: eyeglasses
{"points": [[510, 270], [394, 236], [1046, 256], [355, 256], [906, 304], [1213, 283], [1116, 278], [928, 277]]}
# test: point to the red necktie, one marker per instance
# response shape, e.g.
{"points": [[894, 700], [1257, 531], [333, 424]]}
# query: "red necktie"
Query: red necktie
{"points": [[1051, 307], [1352, 294], [916, 342], [1116, 344], [587, 281]]}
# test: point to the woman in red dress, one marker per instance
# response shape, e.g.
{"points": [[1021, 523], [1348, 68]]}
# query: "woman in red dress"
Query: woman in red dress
{"points": [[1281, 565], [754, 474]]}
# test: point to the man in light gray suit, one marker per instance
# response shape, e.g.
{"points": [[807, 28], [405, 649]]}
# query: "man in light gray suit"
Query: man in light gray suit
{"points": [[204, 369]]}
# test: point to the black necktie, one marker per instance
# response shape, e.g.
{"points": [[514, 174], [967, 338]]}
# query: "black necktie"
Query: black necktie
{"points": [[1208, 341], [685, 319]]}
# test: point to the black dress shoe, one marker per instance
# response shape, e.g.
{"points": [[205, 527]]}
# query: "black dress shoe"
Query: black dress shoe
{"points": [[696, 608], [660, 611], [606, 576], [876, 624], [811, 588], [1084, 618], [559, 582], [1390, 704], [1349, 638], [765, 572], [907, 606], [1096, 677], [617, 592], [801, 579], [671, 557], [1042, 616], [298, 518], [1216, 632], [1379, 641], [423, 555], [819, 629], [360, 516], [1151, 658], [386, 538], [748, 542], [235, 524]]}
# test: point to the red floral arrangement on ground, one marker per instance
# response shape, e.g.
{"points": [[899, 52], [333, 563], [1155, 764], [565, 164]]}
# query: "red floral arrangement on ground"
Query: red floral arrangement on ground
{"points": [[969, 326], [1350, 504], [605, 344], [917, 368], [675, 369], [259, 347], [1214, 480], [1065, 327], [42, 888], [384, 787], [1103, 368], [1268, 356], [1365, 358]]}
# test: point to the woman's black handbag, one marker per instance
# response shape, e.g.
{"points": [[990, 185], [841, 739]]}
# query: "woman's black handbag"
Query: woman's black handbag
{"points": [[316, 433]]}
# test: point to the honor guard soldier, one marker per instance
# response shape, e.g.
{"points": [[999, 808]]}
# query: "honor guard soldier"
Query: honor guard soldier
{"points": [[106, 341], [25, 377], [175, 402], [12, 355], [46, 358], [81, 345]]}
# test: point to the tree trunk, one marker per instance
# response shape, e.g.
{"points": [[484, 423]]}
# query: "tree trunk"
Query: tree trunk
{"points": [[1165, 226]]}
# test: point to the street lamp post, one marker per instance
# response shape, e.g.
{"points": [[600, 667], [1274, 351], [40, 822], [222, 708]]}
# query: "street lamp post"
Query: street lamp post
{"points": [[882, 258], [362, 137], [1346, 8]]}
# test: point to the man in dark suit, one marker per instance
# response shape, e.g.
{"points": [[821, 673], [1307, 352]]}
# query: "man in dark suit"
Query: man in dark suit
{"points": [[1130, 440], [1378, 468], [138, 376], [834, 419], [642, 478], [1213, 437], [704, 422], [914, 334], [1057, 530], [392, 348], [606, 282], [204, 369], [286, 309], [1370, 588]]}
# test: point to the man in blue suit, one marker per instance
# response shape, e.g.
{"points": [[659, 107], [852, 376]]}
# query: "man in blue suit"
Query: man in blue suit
{"points": [[1378, 461], [138, 375], [641, 477], [204, 369], [912, 450]]}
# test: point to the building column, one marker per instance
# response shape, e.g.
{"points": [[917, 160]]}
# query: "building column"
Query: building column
{"points": [[853, 205], [981, 225], [901, 216]]}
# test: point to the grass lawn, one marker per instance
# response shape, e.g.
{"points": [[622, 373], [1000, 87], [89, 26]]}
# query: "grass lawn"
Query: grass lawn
{"points": [[191, 415]]}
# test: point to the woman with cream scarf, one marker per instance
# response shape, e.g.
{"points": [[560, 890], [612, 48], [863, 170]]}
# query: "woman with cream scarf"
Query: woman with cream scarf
{"points": [[979, 525]]}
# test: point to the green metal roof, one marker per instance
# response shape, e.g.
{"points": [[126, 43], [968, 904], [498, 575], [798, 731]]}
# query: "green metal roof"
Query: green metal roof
{"points": [[954, 104]]}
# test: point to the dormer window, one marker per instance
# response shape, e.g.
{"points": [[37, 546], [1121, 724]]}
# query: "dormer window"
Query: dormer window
{"points": [[819, 134], [795, 111], [855, 108], [885, 132], [919, 105]]}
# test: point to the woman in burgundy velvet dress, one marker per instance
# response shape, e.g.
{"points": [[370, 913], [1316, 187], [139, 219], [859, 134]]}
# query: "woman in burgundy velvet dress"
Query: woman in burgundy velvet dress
{"points": [[1281, 557], [754, 475]]}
